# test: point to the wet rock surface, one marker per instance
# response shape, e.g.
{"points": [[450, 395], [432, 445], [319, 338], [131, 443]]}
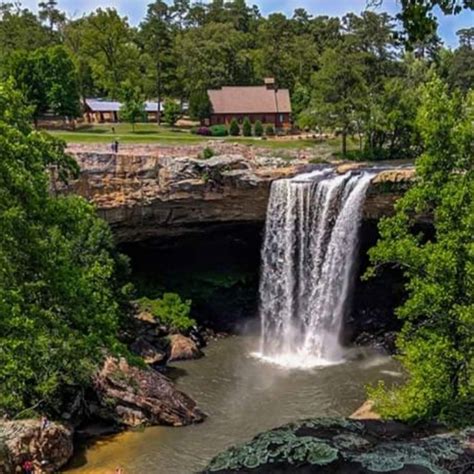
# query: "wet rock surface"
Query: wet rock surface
{"points": [[183, 348], [48, 447], [132, 396], [341, 446]]}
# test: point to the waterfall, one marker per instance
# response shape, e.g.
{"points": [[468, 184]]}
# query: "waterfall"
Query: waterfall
{"points": [[311, 240]]}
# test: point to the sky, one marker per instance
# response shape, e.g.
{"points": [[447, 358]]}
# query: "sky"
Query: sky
{"points": [[135, 10]]}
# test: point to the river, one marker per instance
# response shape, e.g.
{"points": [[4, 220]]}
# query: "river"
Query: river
{"points": [[242, 396]]}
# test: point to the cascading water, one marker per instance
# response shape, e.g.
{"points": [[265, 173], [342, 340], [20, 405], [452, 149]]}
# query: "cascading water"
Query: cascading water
{"points": [[310, 245]]}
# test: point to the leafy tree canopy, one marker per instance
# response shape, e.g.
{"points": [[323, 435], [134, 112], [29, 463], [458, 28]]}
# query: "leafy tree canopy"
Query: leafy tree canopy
{"points": [[59, 284], [436, 343]]}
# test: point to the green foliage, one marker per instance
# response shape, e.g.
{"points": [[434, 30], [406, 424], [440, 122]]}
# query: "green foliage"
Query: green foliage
{"points": [[133, 106], [246, 128], [234, 129], [172, 112], [339, 91], [219, 131], [47, 77], [206, 153], [59, 271], [199, 105], [270, 130], [436, 343], [258, 129], [170, 310]]}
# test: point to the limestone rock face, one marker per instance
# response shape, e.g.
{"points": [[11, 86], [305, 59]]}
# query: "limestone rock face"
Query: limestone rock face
{"points": [[134, 396], [48, 448], [341, 446], [145, 195], [183, 348]]}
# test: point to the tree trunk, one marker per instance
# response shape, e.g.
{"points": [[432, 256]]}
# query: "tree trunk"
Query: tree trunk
{"points": [[158, 93], [344, 142]]}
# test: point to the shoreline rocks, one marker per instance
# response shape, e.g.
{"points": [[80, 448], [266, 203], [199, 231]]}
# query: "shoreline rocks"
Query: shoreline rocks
{"points": [[342, 446], [183, 348], [132, 396], [48, 447]]}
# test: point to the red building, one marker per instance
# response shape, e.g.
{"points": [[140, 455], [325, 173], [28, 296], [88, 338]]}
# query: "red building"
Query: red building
{"points": [[266, 103]]}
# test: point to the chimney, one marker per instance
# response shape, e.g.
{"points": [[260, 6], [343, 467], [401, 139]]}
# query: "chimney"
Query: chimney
{"points": [[270, 83]]}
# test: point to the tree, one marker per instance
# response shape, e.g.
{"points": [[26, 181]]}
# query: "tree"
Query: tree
{"points": [[157, 36], [436, 343], [62, 85], [247, 128], [47, 77], [258, 128], [172, 112], [234, 129], [418, 19], [133, 105], [20, 29], [339, 92], [49, 12], [59, 272], [212, 56], [459, 64], [107, 40], [199, 105]]}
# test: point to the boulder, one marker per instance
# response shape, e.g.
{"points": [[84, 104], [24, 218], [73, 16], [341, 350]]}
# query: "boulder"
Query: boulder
{"points": [[342, 446], [149, 352], [183, 348], [365, 412], [48, 448], [134, 396]]}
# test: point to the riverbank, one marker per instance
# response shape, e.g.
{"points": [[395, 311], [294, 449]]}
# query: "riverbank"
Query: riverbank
{"points": [[242, 395]]}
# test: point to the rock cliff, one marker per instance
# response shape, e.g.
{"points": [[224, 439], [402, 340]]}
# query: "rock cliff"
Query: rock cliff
{"points": [[146, 196]]}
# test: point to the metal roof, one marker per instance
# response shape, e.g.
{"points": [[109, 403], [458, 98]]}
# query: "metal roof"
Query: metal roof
{"points": [[100, 105]]}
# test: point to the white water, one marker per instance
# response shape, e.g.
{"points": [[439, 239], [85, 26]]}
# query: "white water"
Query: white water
{"points": [[311, 240]]}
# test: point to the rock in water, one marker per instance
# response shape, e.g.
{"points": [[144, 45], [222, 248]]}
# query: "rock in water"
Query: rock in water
{"points": [[183, 348], [133, 396], [341, 446], [47, 448]]}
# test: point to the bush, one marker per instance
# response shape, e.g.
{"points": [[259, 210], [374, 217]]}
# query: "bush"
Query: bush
{"points": [[172, 112], [204, 131], [219, 131], [270, 131], [206, 153], [234, 128], [247, 128], [258, 128], [170, 310]]}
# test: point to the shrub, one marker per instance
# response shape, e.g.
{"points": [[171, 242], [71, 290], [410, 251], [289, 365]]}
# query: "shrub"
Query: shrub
{"points": [[247, 128], [206, 153], [193, 130], [270, 131], [170, 310], [234, 128], [219, 131], [258, 128], [172, 112], [199, 105], [204, 131]]}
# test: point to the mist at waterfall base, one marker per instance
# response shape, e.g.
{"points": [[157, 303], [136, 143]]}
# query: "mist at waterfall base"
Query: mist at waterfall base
{"points": [[307, 276]]}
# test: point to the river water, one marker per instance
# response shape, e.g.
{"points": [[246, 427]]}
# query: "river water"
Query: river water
{"points": [[243, 396]]}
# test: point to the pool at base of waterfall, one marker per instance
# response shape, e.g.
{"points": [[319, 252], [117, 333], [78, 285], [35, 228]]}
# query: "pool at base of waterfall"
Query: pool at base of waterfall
{"points": [[243, 396]]}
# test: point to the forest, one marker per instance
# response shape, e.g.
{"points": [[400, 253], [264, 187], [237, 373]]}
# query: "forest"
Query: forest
{"points": [[356, 75]]}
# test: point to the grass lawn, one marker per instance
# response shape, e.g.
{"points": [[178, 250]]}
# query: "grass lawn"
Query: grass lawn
{"points": [[146, 133]]}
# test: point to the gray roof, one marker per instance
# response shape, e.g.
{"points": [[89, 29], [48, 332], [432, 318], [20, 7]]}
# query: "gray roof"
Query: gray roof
{"points": [[100, 105]]}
